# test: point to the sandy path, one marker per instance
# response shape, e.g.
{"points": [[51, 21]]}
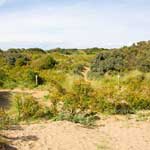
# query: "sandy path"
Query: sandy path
{"points": [[85, 73], [110, 134], [35, 93]]}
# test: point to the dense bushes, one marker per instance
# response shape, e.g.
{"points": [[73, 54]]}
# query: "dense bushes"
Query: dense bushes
{"points": [[5, 119], [3, 77], [27, 107], [15, 58], [31, 78], [78, 69], [109, 61], [72, 98], [15, 62], [84, 100], [124, 59], [46, 62]]}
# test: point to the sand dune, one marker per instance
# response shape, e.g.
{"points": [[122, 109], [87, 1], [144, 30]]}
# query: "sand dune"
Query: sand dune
{"points": [[109, 134]]}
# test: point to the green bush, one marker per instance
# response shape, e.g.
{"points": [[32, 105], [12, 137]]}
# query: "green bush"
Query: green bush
{"points": [[79, 99], [87, 120], [5, 119], [123, 108], [108, 62], [21, 61], [27, 107], [16, 58], [79, 69], [47, 62], [31, 78], [123, 59], [139, 103], [3, 77]]}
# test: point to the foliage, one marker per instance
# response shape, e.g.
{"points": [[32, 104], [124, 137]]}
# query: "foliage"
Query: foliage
{"points": [[3, 77], [26, 107], [31, 77], [79, 69], [46, 62], [120, 82], [108, 61], [5, 119], [87, 120], [134, 57], [15, 58]]}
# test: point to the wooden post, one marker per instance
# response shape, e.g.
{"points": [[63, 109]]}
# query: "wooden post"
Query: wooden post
{"points": [[36, 79], [118, 81]]}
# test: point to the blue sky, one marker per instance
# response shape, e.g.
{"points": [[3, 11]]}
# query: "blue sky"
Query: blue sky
{"points": [[73, 23]]}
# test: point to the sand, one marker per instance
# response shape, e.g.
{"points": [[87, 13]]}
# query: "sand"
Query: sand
{"points": [[109, 134]]}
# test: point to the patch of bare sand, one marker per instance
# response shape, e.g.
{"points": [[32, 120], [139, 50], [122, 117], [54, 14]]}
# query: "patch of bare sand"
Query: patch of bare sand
{"points": [[110, 134], [35, 93]]}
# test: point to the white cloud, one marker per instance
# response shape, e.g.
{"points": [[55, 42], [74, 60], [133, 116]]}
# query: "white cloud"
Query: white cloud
{"points": [[79, 25]]}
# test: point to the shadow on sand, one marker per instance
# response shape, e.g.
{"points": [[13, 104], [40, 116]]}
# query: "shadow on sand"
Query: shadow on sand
{"points": [[5, 99], [5, 102], [5, 146]]}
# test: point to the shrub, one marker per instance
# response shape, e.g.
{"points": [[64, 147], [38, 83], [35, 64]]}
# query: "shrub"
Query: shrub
{"points": [[108, 61], [74, 105], [21, 61], [3, 77], [47, 62], [87, 120], [145, 64], [5, 122], [123, 59], [35, 50], [26, 107], [123, 108], [31, 78], [139, 103], [82, 95], [78, 69], [16, 58], [11, 60], [5, 119], [104, 106]]}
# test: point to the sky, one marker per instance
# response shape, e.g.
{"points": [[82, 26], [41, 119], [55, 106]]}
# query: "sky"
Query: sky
{"points": [[73, 23]]}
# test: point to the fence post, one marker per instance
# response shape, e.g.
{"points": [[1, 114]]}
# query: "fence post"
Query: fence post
{"points": [[36, 79]]}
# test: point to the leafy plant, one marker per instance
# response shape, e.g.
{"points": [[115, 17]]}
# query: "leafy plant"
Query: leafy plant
{"points": [[26, 107]]}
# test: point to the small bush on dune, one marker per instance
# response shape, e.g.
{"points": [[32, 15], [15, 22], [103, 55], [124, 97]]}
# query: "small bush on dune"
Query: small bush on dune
{"points": [[3, 77], [78, 69], [31, 78], [87, 120], [5, 120], [138, 102], [44, 63], [79, 99], [26, 107], [82, 101], [74, 105], [123, 108]]}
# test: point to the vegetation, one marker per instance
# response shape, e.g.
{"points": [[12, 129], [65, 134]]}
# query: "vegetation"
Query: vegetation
{"points": [[118, 82], [124, 59]]}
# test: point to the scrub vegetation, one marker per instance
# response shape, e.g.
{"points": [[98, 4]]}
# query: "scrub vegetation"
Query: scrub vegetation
{"points": [[118, 82]]}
